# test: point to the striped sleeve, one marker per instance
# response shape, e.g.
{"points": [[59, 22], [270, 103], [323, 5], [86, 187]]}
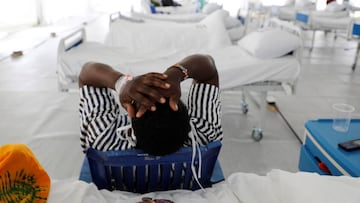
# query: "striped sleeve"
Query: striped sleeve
{"points": [[205, 112], [99, 119]]}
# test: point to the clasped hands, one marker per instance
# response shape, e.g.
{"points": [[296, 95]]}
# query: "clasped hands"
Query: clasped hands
{"points": [[148, 89]]}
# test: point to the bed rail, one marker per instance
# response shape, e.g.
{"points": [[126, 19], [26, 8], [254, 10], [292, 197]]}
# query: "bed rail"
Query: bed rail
{"points": [[72, 40], [117, 15], [114, 16]]}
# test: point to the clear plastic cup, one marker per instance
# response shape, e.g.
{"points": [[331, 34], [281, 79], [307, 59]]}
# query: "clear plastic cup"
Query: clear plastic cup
{"points": [[342, 116]]}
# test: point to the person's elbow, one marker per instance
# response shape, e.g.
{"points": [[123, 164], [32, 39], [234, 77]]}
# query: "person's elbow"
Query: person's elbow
{"points": [[86, 68]]}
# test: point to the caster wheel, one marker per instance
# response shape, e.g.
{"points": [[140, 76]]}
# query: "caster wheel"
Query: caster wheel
{"points": [[257, 134], [244, 108]]}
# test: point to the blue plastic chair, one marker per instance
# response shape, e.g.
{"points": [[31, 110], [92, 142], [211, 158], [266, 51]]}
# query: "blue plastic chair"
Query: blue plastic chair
{"points": [[134, 171]]}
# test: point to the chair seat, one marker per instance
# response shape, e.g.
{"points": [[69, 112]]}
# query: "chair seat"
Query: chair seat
{"points": [[134, 171]]}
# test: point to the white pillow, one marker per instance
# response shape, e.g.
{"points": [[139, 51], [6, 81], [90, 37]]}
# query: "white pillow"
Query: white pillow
{"points": [[231, 22], [210, 7], [269, 43], [335, 7], [168, 37], [216, 29], [156, 36], [236, 33]]}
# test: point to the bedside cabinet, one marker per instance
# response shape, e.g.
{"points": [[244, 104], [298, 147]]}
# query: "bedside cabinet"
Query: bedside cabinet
{"points": [[320, 152]]}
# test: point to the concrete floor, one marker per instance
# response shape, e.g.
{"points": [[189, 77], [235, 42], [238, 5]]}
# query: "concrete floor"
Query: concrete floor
{"points": [[31, 106]]}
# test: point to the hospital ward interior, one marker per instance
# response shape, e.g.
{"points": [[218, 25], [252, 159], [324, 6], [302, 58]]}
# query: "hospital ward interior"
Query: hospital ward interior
{"points": [[289, 90]]}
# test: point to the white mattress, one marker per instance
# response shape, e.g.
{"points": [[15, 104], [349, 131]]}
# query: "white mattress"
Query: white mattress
{"points": [[331, 23], [235, 66], [328, 14], [288, 13], [277, 186]]}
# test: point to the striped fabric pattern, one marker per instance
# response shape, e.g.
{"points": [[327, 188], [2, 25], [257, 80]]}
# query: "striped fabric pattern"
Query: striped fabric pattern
{"points": [[100, 117], [205, 113]]}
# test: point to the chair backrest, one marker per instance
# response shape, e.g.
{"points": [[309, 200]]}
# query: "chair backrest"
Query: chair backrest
{"points": [[134, 171]]}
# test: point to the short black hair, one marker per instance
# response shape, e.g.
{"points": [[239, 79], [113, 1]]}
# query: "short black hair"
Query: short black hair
{"points": [[162, 131]]}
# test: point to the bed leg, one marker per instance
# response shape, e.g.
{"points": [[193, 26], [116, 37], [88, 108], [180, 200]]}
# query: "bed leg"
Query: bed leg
{"points": [[244, 104], [312, 41], [257, 132], [356, 57]]}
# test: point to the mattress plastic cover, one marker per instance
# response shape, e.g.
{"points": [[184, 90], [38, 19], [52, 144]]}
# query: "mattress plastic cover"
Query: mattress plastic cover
{"points": [[236, 67]]}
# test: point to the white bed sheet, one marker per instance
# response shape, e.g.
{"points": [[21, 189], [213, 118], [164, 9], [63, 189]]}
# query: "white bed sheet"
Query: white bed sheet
{"points": [[275, 187], [236, 67], [70, 63]]}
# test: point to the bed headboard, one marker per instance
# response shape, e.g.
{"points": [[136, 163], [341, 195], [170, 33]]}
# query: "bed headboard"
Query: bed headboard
{"points": [[114, 16], [354, 29], [72, 40], [303, 19]]}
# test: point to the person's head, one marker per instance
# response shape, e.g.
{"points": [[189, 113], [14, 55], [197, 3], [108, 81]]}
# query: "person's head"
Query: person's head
{"points": [[162, 131]]}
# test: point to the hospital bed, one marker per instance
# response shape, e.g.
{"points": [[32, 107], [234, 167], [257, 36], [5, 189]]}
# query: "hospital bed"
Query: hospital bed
{"points": [[276, 186], [338, 22], [288, 13], [322, 21], [238, 70]]}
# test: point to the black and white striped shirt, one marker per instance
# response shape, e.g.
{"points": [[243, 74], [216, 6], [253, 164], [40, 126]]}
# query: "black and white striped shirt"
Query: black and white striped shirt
{"points": [[100, 117]]}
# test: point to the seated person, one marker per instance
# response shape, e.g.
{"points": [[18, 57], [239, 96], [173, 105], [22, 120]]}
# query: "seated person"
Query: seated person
{"points": [[161, 123]]}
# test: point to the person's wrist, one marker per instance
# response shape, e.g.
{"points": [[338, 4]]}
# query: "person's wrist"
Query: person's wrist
{"points": [[183, 70], [175, 74], [121, 82]]}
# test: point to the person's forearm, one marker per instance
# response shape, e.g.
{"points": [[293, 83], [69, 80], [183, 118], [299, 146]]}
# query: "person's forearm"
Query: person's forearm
{"points": [[98, 75], [201, 68]]}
